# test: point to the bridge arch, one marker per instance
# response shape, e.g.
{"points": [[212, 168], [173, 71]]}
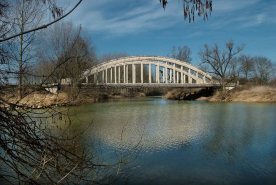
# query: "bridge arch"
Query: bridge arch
{"points": [[145, 70]]}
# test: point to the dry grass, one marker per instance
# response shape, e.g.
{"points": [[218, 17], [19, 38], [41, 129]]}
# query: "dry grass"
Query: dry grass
{"points": [[257, 94], [39, 100], [174, 94]]}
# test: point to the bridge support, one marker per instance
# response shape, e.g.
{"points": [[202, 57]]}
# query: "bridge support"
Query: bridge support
{"points": [[106, 75], [189, 77], [182, 77], [119, 74], [127, 73], [157, 71], [149, 73], [115, 74], [111, 75], [133, 73], [124, 73], [174, 72], [166, 74], [142, 73], [95, 78], [170, 75]]}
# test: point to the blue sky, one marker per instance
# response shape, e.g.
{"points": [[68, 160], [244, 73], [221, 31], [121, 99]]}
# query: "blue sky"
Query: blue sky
{"points": [[142, 27]]}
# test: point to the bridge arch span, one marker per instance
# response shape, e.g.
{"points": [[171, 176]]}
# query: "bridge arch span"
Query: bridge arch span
{"points": [[145, 70]]}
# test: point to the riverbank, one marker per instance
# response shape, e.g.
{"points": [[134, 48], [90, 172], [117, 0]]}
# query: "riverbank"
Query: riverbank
{"points": [[75, 96], [257, 94], [34, 97]]}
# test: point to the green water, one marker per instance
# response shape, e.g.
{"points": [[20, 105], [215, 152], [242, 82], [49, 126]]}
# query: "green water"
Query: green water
{"points": [[185, 142]]}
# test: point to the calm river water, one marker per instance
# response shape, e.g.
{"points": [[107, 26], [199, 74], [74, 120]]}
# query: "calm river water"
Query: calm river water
{"points": [[184, 142]]}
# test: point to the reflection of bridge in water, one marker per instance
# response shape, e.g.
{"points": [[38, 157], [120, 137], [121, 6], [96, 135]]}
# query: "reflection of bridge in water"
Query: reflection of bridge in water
{"points": [[146, 71]]}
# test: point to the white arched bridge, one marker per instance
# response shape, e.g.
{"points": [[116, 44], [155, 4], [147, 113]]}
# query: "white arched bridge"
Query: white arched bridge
{"points": [[146, 71]]}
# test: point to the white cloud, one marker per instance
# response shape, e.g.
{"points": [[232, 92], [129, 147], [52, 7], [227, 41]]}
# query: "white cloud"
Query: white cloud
{"points": [[145, 17], [148, 15], [233, 5]]}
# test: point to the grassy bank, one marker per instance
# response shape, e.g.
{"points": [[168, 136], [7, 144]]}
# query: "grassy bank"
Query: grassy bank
{"points": [[34, 97], [260, 94]]}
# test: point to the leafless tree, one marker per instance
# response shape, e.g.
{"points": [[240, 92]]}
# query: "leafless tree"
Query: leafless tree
{"points": [[246, 66], [263, 70], [50, 7], [65, 51], [37, 145], [181, 53], [110, 56], [219, 60], [26, 14]]}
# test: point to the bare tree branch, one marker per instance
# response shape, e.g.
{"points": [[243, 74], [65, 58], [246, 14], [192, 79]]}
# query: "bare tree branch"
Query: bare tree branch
{"points": [[43, 26]]}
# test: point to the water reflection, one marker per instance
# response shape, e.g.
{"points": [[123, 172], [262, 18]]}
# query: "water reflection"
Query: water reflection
{"points": [[187, 142]]}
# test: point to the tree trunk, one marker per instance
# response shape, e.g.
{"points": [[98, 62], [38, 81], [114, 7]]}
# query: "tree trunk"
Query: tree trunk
{"points": [[223, 86], [21, 54]]}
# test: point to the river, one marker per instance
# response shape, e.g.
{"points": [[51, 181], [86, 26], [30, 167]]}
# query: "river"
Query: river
{"points": [[184, 142]]}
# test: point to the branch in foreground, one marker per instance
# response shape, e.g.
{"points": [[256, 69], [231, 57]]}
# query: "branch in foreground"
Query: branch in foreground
{"points": [[43, 26]]}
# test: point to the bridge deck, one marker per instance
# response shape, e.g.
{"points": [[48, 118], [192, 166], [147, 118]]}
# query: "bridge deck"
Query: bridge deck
{"points": [[152, 85]]}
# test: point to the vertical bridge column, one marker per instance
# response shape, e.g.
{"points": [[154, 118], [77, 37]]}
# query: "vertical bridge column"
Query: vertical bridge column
{"points": [[166, 73], [102, 76], [163, 74], [86, 80], [115, 76], [171, 75], [119, 75], [142, 74], [182, 78], [133, 73], [127, 73], [189, 77], [106, 75], [174, 73], [111, 74], [149, 73], [95, 77], [157, 73], [124, 73]]}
